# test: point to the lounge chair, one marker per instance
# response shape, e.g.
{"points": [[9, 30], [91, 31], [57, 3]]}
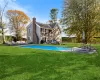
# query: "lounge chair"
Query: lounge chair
{"points": [[85, 49]]}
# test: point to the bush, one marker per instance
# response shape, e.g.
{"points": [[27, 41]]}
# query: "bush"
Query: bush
{"points": [[96, 40], [68, 39], [8, 38]]}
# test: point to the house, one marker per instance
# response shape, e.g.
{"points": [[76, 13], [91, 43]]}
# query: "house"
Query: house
{"points": [[38, 32], [7, 34], [10, 34]]}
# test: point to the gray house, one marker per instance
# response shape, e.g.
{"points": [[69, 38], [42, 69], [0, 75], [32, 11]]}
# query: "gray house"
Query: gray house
{"points": [[38, 32]]}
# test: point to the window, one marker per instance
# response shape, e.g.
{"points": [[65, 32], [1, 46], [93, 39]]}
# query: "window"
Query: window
{"points": [[28, 38], [29, 30], [41, 29]]}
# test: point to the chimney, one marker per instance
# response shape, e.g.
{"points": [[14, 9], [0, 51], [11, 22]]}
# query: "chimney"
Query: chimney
{"points": [[34, 30], [34, 24]]}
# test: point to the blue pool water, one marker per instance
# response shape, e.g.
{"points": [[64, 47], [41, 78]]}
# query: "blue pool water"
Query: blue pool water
{"points": [[55, 48]]}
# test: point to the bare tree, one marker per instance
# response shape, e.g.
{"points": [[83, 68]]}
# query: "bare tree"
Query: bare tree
{"points": [[2, 11]]}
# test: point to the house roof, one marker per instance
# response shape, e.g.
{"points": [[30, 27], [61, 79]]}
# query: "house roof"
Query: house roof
{"points": [[46, 25]]}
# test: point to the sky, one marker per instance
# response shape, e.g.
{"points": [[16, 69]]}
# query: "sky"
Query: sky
{"points": [[40, 9], [35, 8]]}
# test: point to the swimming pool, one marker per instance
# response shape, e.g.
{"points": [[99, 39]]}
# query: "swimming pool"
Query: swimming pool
{"points": [[54, 48]]}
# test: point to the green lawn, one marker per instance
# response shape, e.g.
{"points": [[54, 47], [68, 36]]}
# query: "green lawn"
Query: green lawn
{"points": [[31, 64]]}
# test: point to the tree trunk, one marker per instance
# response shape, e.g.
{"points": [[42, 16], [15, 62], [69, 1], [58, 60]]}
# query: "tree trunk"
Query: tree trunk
{"points": [[17, 37], [3, 41]]}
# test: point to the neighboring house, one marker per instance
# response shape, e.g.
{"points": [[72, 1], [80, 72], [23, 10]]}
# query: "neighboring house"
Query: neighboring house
{"points": [[7, 33], [10, 32], [37, 32]]}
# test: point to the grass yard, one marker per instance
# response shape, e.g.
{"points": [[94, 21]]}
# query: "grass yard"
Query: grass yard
{"points": [[31, 64]]}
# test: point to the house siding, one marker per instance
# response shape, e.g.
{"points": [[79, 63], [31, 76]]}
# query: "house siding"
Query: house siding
{"points": [[30, 33]]}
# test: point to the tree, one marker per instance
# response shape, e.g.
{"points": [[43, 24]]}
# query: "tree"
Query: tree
{"points": [[53, 14], [82, 18], [18, 20], [2, 10]]}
